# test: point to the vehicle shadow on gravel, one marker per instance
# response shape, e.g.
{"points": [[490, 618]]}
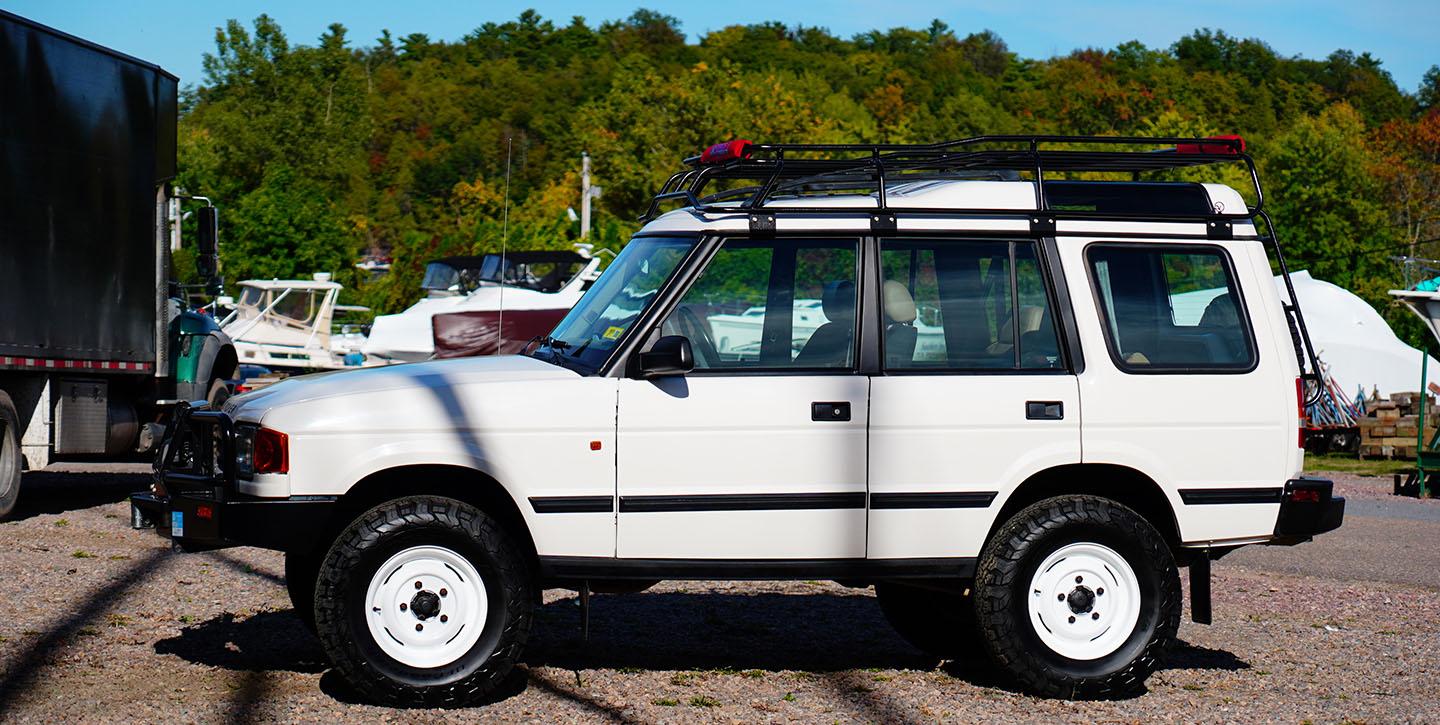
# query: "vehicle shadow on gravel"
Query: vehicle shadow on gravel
{"points": [[266, 641], [58, 492]]}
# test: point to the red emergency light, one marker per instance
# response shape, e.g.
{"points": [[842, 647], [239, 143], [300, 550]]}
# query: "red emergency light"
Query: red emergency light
{"points": [[727, 151], [1214, 148]]}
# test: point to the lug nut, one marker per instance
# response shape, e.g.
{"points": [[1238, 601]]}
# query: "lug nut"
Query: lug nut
{"points": [[1079, 579], [419, 627], [1072, 620], [404, 606], [444, 618], [444, 593], [1060, 597], [418, 585], [1094, 615], [1099, 591]]}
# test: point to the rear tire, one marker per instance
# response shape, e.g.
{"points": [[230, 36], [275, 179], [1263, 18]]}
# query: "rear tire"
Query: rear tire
{"points": [[424, 601], [301, 571], [1078, 597], [939, 623], [10, 457]]}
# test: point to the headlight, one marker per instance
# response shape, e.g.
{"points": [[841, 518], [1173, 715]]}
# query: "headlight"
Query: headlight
{"points": [[260, 450]]}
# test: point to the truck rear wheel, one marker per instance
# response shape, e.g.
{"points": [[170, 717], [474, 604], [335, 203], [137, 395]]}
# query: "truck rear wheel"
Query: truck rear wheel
{"points": [[9, 455], [424, 601], [940, 623], [1078, 596]]}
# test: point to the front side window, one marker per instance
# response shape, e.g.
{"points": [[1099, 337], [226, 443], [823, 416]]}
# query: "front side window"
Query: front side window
{"points": [[965, 305], [773, 305], [594, 326], [1170, 308]]}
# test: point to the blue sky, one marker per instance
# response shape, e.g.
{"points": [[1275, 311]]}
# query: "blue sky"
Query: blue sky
{"points": [[175, 33]]}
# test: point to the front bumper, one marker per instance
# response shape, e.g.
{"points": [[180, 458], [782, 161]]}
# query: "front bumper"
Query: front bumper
{"points": [[1308, 508], [195, 501], [198, 522]]}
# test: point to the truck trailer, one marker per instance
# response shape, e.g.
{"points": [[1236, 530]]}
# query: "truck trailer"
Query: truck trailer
{"points": [[95, 340]]}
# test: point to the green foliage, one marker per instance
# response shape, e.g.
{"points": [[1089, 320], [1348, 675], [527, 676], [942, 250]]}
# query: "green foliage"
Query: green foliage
{"points": [[412, 148]]}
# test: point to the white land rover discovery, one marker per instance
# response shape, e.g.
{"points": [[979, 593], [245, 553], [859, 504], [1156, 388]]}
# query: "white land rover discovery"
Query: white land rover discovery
{"points": [[1012, 400]]}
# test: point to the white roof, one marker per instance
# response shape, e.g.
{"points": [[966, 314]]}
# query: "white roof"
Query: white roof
{"points": [[290, 284]]}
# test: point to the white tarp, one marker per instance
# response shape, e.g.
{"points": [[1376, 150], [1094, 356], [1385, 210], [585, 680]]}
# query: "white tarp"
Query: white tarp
{"points": [[1349, 336]]}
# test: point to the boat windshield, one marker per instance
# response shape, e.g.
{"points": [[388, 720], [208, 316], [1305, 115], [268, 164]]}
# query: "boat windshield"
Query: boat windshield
{"points": [[592, 329]]}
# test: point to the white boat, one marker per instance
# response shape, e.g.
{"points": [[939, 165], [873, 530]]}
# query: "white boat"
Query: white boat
{"points": [[737, 336], [288, 324], [536, 289]]}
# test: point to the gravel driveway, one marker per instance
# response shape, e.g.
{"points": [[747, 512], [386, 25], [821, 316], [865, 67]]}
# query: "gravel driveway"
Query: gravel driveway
{"points": [[99, 623]]}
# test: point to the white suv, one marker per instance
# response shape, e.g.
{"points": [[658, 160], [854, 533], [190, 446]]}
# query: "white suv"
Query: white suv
{"points": [[1014, 404]]}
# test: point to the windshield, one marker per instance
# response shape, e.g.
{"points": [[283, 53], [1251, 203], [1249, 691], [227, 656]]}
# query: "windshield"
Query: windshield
{"points": [[593, 328]]}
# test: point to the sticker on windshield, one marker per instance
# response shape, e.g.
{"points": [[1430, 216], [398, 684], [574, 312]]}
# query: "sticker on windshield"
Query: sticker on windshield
{"points": [[614, 333]]}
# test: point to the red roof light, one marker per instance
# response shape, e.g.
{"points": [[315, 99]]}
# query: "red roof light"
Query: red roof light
{"points": [[727, 151], [1214, 148]]}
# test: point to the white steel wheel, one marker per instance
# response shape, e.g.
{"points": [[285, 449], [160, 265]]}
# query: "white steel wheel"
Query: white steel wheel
{"points": [[1084, 601], [426, 606]]}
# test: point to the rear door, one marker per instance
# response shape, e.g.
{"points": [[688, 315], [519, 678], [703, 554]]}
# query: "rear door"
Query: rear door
{"points": [[760, 452], [976, 394]]}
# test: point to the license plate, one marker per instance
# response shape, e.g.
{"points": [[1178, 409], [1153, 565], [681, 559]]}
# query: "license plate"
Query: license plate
{"points": [[177, 524]]}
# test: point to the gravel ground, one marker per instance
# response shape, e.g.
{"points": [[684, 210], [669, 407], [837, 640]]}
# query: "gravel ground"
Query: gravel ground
{"points": [[105, 624]]}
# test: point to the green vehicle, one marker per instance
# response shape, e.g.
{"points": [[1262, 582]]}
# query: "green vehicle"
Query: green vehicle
{"points": [[95, 340]]}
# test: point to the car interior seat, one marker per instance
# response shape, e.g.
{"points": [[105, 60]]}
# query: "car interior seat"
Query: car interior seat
{"points": [[900, 332], [831, 344]]}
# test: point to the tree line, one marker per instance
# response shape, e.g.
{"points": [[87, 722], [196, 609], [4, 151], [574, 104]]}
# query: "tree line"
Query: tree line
{"points": [[321, 154]]}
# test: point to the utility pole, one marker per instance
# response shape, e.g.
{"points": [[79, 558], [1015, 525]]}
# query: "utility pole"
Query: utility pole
{"points": [[584, 195]]}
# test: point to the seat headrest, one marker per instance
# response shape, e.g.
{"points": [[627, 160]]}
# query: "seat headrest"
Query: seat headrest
{"points": [[899, 305], [838, 301]]}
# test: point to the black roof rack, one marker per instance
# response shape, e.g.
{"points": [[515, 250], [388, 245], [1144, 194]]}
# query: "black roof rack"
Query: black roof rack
{"points": [[798, 170], [794, 170]]}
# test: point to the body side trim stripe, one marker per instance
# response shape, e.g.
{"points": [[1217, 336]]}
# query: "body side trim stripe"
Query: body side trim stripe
{"points": [[580, 567], [572, 504], [1218, 496], [743, 502], [936, 500]]}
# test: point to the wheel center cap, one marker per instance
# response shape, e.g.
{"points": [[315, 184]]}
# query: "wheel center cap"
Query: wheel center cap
{"points": [[425, 604], [1081, 599]]}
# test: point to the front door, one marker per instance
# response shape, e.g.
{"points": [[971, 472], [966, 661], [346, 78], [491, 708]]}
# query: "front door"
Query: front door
{"points": [[760, 453]]}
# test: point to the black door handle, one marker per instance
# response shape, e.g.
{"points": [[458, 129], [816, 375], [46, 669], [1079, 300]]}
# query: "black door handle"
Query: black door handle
{"points": [[830, 411], [1044, 410]]}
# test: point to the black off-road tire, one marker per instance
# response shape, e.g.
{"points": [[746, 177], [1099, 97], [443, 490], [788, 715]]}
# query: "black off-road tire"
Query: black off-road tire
{"points": [[10, 457], [301, 571], [365, 545], [940, 623], [1004, 575]]}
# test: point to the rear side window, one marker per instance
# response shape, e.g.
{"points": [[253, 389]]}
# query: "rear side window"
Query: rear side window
{"points": [[1171, 309]]}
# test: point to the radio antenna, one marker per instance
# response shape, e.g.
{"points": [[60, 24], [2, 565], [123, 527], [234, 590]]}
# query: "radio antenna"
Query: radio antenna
{"points": [[504, 245]]}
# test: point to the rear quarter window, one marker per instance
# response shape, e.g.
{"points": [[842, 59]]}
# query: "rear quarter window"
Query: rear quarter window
{"points": [[1171, 308]]}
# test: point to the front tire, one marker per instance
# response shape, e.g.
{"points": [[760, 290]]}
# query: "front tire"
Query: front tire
{"points": [[1078, 597], [424, 601]]}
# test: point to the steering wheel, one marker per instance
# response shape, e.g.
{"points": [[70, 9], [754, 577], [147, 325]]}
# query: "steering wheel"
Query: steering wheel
{"points": [[699, 335]]}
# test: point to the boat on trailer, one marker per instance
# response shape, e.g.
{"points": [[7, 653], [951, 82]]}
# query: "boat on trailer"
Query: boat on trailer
{"points": [[290, 325]]}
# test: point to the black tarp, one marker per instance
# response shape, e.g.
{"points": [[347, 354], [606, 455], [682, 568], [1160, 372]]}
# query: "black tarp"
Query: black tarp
{"points": [[86, 137]]}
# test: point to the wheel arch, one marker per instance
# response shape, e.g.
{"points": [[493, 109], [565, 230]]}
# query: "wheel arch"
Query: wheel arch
{"points": [[1118, 483], [461, 483]]}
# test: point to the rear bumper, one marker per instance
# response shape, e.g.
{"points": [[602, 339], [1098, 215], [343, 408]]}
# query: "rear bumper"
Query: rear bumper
{"points": [[1308, 508], [196, 522]]}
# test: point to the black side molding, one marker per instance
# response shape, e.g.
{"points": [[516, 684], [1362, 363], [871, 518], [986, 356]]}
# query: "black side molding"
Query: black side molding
{"points": [[743, 502], [572, 504], [1217, 496], [942, 500]]}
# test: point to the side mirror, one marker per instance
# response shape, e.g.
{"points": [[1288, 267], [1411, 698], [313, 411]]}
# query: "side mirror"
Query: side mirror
{"points": [[670, 355], [207, 238]]}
